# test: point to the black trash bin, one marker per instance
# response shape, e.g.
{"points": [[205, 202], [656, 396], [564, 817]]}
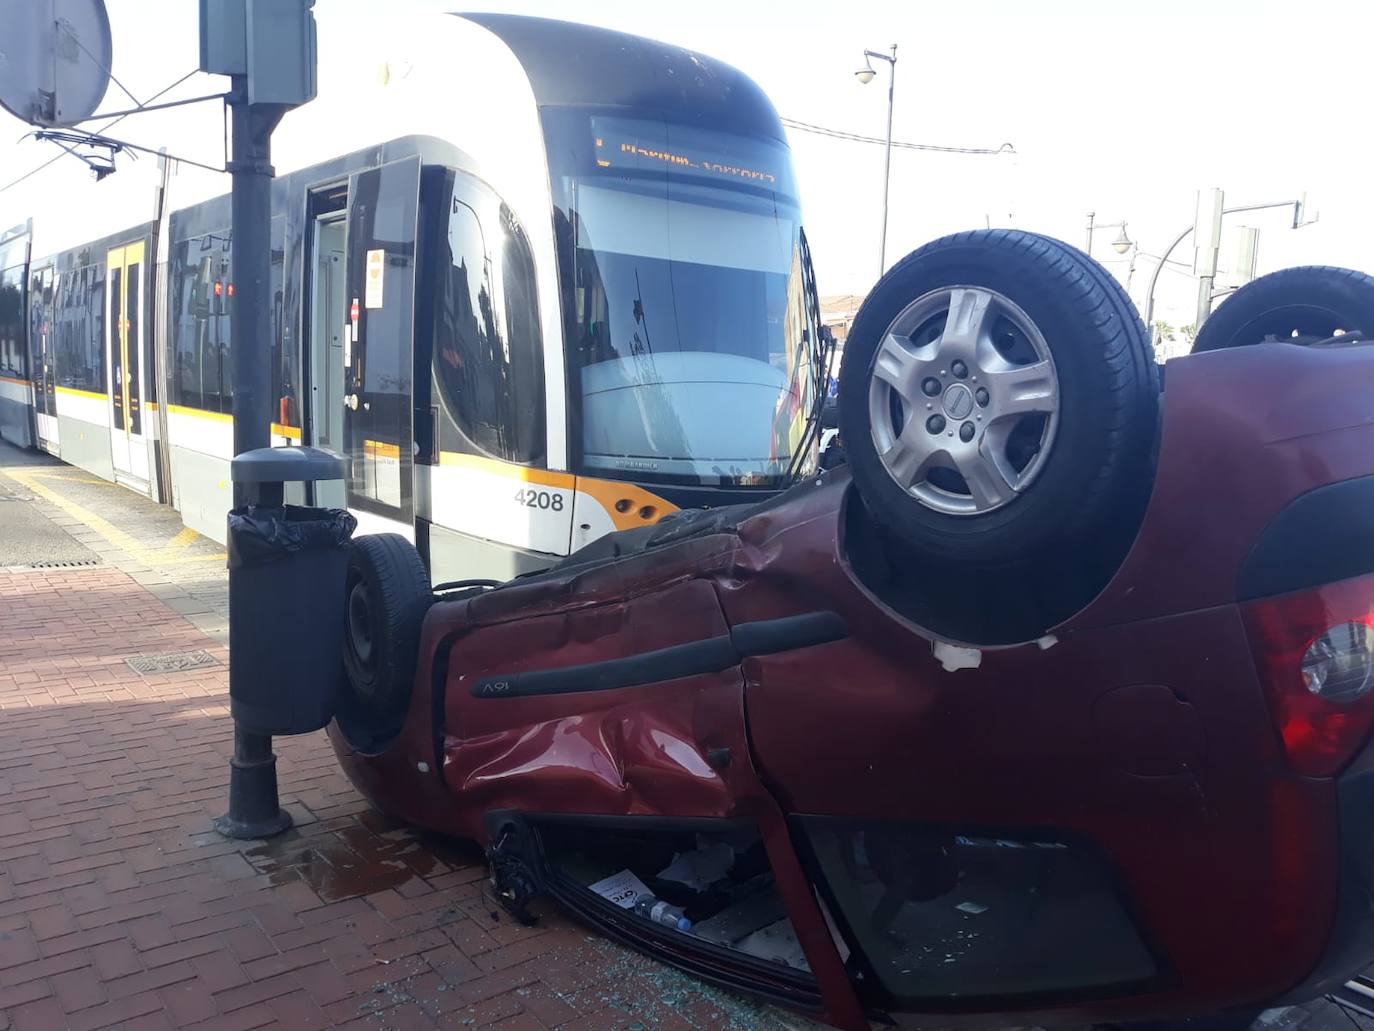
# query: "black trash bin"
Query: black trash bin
{"points": [[287, 566]]}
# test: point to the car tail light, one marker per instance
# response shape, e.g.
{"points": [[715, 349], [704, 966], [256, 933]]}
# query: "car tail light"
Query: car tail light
{"points": [[1315, 653]]}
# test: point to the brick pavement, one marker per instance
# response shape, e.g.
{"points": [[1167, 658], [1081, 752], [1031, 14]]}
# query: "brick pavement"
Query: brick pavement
{"points": [[120, 907], [129, 532]]}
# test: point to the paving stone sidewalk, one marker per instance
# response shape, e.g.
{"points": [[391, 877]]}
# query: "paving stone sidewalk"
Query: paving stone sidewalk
{"points": [[120, 906]]}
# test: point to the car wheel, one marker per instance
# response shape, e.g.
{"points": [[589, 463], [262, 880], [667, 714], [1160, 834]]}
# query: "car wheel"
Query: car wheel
{"points": [[998, 397], [386, 597], [1295, 305]]}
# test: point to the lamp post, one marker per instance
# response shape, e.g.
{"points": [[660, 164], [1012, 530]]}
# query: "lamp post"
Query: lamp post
{"points": [[865, 75], [1300, 219], [1121, 244]]}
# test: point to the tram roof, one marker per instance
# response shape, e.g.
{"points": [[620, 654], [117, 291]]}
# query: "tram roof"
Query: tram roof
{"points": [[569, 64]]}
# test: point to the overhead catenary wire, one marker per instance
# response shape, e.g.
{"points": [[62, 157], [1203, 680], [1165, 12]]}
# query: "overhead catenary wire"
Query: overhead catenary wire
{"points": [[853, 137], [119, 118], [793, 123]]}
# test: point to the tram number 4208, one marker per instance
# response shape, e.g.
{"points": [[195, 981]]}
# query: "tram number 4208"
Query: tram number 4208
{"points": [[547, 499]]}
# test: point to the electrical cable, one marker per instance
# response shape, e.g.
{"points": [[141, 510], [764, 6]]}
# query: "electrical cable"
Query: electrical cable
{"points": [[841, 134]]}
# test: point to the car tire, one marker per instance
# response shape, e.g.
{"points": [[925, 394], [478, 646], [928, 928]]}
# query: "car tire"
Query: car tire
{"points": [[386, 596], [1063, 429], [1296, 305]]}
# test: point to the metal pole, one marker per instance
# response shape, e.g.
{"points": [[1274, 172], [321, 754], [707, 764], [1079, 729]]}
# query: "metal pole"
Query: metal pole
{"points": [[887, 160], [254, 808], [1208, 253], [250, 271], [1088, 247], [1204, 301]]}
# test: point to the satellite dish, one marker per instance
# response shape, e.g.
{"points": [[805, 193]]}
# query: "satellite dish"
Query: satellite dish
{"points": [[54, 59]]}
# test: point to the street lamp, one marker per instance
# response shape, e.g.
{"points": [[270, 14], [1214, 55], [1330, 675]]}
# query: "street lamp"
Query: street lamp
{"points": [[1121, 244], [865, 75]]}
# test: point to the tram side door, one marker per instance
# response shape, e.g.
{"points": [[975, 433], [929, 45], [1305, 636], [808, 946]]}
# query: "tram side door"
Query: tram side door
{"points": [[328, 348], [380, 282], [125, 283], [43, 361]]}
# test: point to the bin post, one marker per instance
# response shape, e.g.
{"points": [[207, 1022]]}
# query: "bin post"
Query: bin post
{"points": [[254, 808], [259, 477], [254, 811]]}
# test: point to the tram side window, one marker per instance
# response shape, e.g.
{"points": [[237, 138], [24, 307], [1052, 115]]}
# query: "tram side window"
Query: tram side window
{"points": [[200, 370], [12, 321], [79, 328], [488, 351]]}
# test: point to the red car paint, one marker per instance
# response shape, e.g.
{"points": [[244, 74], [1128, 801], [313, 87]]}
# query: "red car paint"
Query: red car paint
{"points": [[1139, 723]]}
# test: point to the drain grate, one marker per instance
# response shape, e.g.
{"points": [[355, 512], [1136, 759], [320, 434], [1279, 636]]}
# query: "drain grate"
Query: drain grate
{"points": [[171, 662], [38, 567]]}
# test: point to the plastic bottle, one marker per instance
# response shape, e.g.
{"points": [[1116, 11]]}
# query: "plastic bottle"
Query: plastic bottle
{"points": [[661, 912]]}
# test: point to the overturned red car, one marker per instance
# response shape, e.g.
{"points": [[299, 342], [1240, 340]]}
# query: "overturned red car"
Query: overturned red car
{"points": [[1054, 701]]}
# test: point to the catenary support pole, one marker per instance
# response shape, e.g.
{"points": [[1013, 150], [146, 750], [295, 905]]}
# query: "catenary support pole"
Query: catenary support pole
{"points": [[254, 808], [250, 270]]}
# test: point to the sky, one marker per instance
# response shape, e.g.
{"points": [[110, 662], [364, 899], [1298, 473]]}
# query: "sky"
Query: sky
{"points": [[1125, 108]]}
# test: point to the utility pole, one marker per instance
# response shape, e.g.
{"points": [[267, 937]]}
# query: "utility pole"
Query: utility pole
{"points": [[267, 48], [254, 808], [250, 166]]}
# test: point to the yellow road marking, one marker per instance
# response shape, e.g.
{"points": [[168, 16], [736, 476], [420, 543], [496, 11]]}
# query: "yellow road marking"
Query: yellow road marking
{"points": [[185, 539], [106, 529], [218, 556], [113, 534], [65, 475]]}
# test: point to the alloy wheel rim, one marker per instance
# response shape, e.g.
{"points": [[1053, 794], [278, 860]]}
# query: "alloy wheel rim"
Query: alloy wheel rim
{"points": [[963, 400]]}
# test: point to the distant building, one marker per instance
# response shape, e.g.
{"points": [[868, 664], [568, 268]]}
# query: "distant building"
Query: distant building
{"points": [[837, 312]]}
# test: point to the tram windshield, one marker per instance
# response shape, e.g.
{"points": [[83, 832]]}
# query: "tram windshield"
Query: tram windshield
{"points": [[691, 346]]}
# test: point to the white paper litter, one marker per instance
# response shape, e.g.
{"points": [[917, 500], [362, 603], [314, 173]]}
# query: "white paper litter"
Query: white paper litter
{"points": [[700, 868], [776, 942], [621, 888]]}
